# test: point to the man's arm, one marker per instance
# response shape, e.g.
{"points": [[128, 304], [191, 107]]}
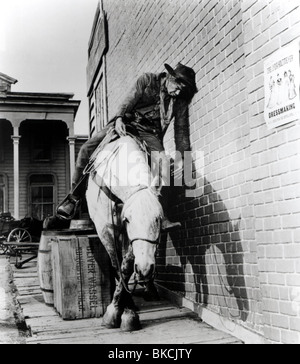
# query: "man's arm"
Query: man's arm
{"points": [[130, 102], [133, 97], [181, 125]]}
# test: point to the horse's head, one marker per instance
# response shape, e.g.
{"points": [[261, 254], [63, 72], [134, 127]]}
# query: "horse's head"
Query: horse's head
{"points": [[143, 216]]}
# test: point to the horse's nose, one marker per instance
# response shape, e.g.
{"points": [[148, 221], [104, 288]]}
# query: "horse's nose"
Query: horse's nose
{"points": [[144, 273]]}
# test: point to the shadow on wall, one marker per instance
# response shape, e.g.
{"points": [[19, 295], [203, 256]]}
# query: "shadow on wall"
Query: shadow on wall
{"points": [[204, 260]]}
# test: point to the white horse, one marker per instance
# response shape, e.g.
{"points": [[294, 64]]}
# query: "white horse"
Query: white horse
{"points": [[121, 172]]}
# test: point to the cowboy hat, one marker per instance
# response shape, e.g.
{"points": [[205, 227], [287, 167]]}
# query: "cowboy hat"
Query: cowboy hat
{"points": [[183, 74]]}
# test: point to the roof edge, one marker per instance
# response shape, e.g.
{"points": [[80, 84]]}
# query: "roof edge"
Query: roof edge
{"points": [[7, 78]]}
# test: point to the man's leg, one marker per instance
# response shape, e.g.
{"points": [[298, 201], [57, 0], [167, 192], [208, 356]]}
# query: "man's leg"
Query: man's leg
{"points": [[68, 208], [165, 189], [162, 168]]}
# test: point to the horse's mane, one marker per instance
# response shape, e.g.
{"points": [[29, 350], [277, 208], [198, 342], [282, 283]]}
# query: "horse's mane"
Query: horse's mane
{"points": [[147, 203], [140, 196]]}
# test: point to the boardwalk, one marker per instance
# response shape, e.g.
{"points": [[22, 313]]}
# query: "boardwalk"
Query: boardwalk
{"points": [[9, 333], [162, 322]]}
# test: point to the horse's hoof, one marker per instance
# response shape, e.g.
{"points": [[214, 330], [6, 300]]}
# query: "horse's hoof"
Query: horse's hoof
{"points": [[112, 317], [130, 321]]}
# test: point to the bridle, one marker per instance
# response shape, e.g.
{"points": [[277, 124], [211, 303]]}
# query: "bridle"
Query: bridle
{"points": [[123, 231], [132, 240], [154, 242]]}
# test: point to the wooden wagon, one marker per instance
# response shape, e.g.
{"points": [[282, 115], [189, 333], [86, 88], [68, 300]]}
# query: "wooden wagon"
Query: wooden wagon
{"points": [[19, 236]]}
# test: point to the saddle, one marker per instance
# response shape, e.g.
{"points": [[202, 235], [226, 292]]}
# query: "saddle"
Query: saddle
{"points": [[111, 136], [70, 205]]}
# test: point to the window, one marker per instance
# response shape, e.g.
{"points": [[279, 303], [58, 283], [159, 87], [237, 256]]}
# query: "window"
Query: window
{"points": [[42, 202], [3, 194]]}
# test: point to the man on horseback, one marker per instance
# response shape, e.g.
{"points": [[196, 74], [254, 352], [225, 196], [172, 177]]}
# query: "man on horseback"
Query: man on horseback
{"points": [[151, 105]]}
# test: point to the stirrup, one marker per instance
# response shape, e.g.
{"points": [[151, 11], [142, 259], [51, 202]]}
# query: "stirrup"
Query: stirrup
{"points": [[71, 200]]}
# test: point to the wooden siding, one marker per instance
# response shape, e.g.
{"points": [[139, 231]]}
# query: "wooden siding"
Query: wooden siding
{"points": [[6, 165], [57, 166]]}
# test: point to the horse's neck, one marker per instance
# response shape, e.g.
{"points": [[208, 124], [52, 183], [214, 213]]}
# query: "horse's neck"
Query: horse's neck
{"points": [[123, 167]]}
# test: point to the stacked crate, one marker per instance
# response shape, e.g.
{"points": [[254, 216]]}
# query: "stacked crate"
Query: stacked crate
{"points": [[81, 276]]}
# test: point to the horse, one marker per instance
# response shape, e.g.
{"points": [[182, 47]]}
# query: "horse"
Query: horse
{"points": [[121, 173]]}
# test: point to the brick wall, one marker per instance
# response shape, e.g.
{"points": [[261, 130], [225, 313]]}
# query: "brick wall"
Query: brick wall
{"points": [[238, 251], [275, 168]]}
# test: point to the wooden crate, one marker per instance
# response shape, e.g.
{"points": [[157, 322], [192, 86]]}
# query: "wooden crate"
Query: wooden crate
{"points": [[82, 281]]}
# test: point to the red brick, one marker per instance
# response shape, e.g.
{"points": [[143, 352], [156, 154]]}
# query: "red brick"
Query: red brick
{"points": [[295, 324], [286, 308], [293, 280], [272, 334], [290, 337], [292, 251], [250, 171], [280, 321]]}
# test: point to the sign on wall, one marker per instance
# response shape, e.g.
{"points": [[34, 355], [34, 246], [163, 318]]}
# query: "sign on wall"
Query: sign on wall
{"points": [[97, 46], [282, 81]]}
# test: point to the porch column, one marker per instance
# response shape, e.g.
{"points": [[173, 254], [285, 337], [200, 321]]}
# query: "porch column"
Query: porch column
{"points": [[16, 141], [72, 140]]}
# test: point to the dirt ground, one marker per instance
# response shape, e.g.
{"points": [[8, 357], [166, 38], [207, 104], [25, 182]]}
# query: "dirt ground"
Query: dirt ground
{"points": [[11, 330], [25, 319]]}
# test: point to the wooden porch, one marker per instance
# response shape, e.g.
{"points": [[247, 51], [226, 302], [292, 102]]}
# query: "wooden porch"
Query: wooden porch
{"points": [[162, 321]]}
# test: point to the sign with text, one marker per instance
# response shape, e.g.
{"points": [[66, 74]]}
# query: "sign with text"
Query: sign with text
{"points": [[97, 47], [282, 81]]}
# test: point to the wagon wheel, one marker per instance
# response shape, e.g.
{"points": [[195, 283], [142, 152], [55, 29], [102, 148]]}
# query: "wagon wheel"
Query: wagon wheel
{"points": [[18, 235], [3, 249]]}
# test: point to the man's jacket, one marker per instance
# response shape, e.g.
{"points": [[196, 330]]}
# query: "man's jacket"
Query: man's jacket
{"points": [[141, 107]]}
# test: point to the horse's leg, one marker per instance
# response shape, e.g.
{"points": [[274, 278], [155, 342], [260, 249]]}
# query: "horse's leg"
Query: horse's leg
{"points": [[113, 314], [150, 293], [121, 312], [100, 213], [130, 319]]}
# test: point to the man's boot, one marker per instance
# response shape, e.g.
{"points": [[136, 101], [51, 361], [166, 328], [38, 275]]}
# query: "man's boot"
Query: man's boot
{"points": [[68, 208], [167, 225]]}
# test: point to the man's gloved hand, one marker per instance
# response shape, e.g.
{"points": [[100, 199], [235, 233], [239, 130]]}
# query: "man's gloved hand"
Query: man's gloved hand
{"points": [[120, 127]]}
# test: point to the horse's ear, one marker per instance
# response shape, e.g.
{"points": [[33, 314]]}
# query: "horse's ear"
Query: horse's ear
{"points": [[156, 185]]}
